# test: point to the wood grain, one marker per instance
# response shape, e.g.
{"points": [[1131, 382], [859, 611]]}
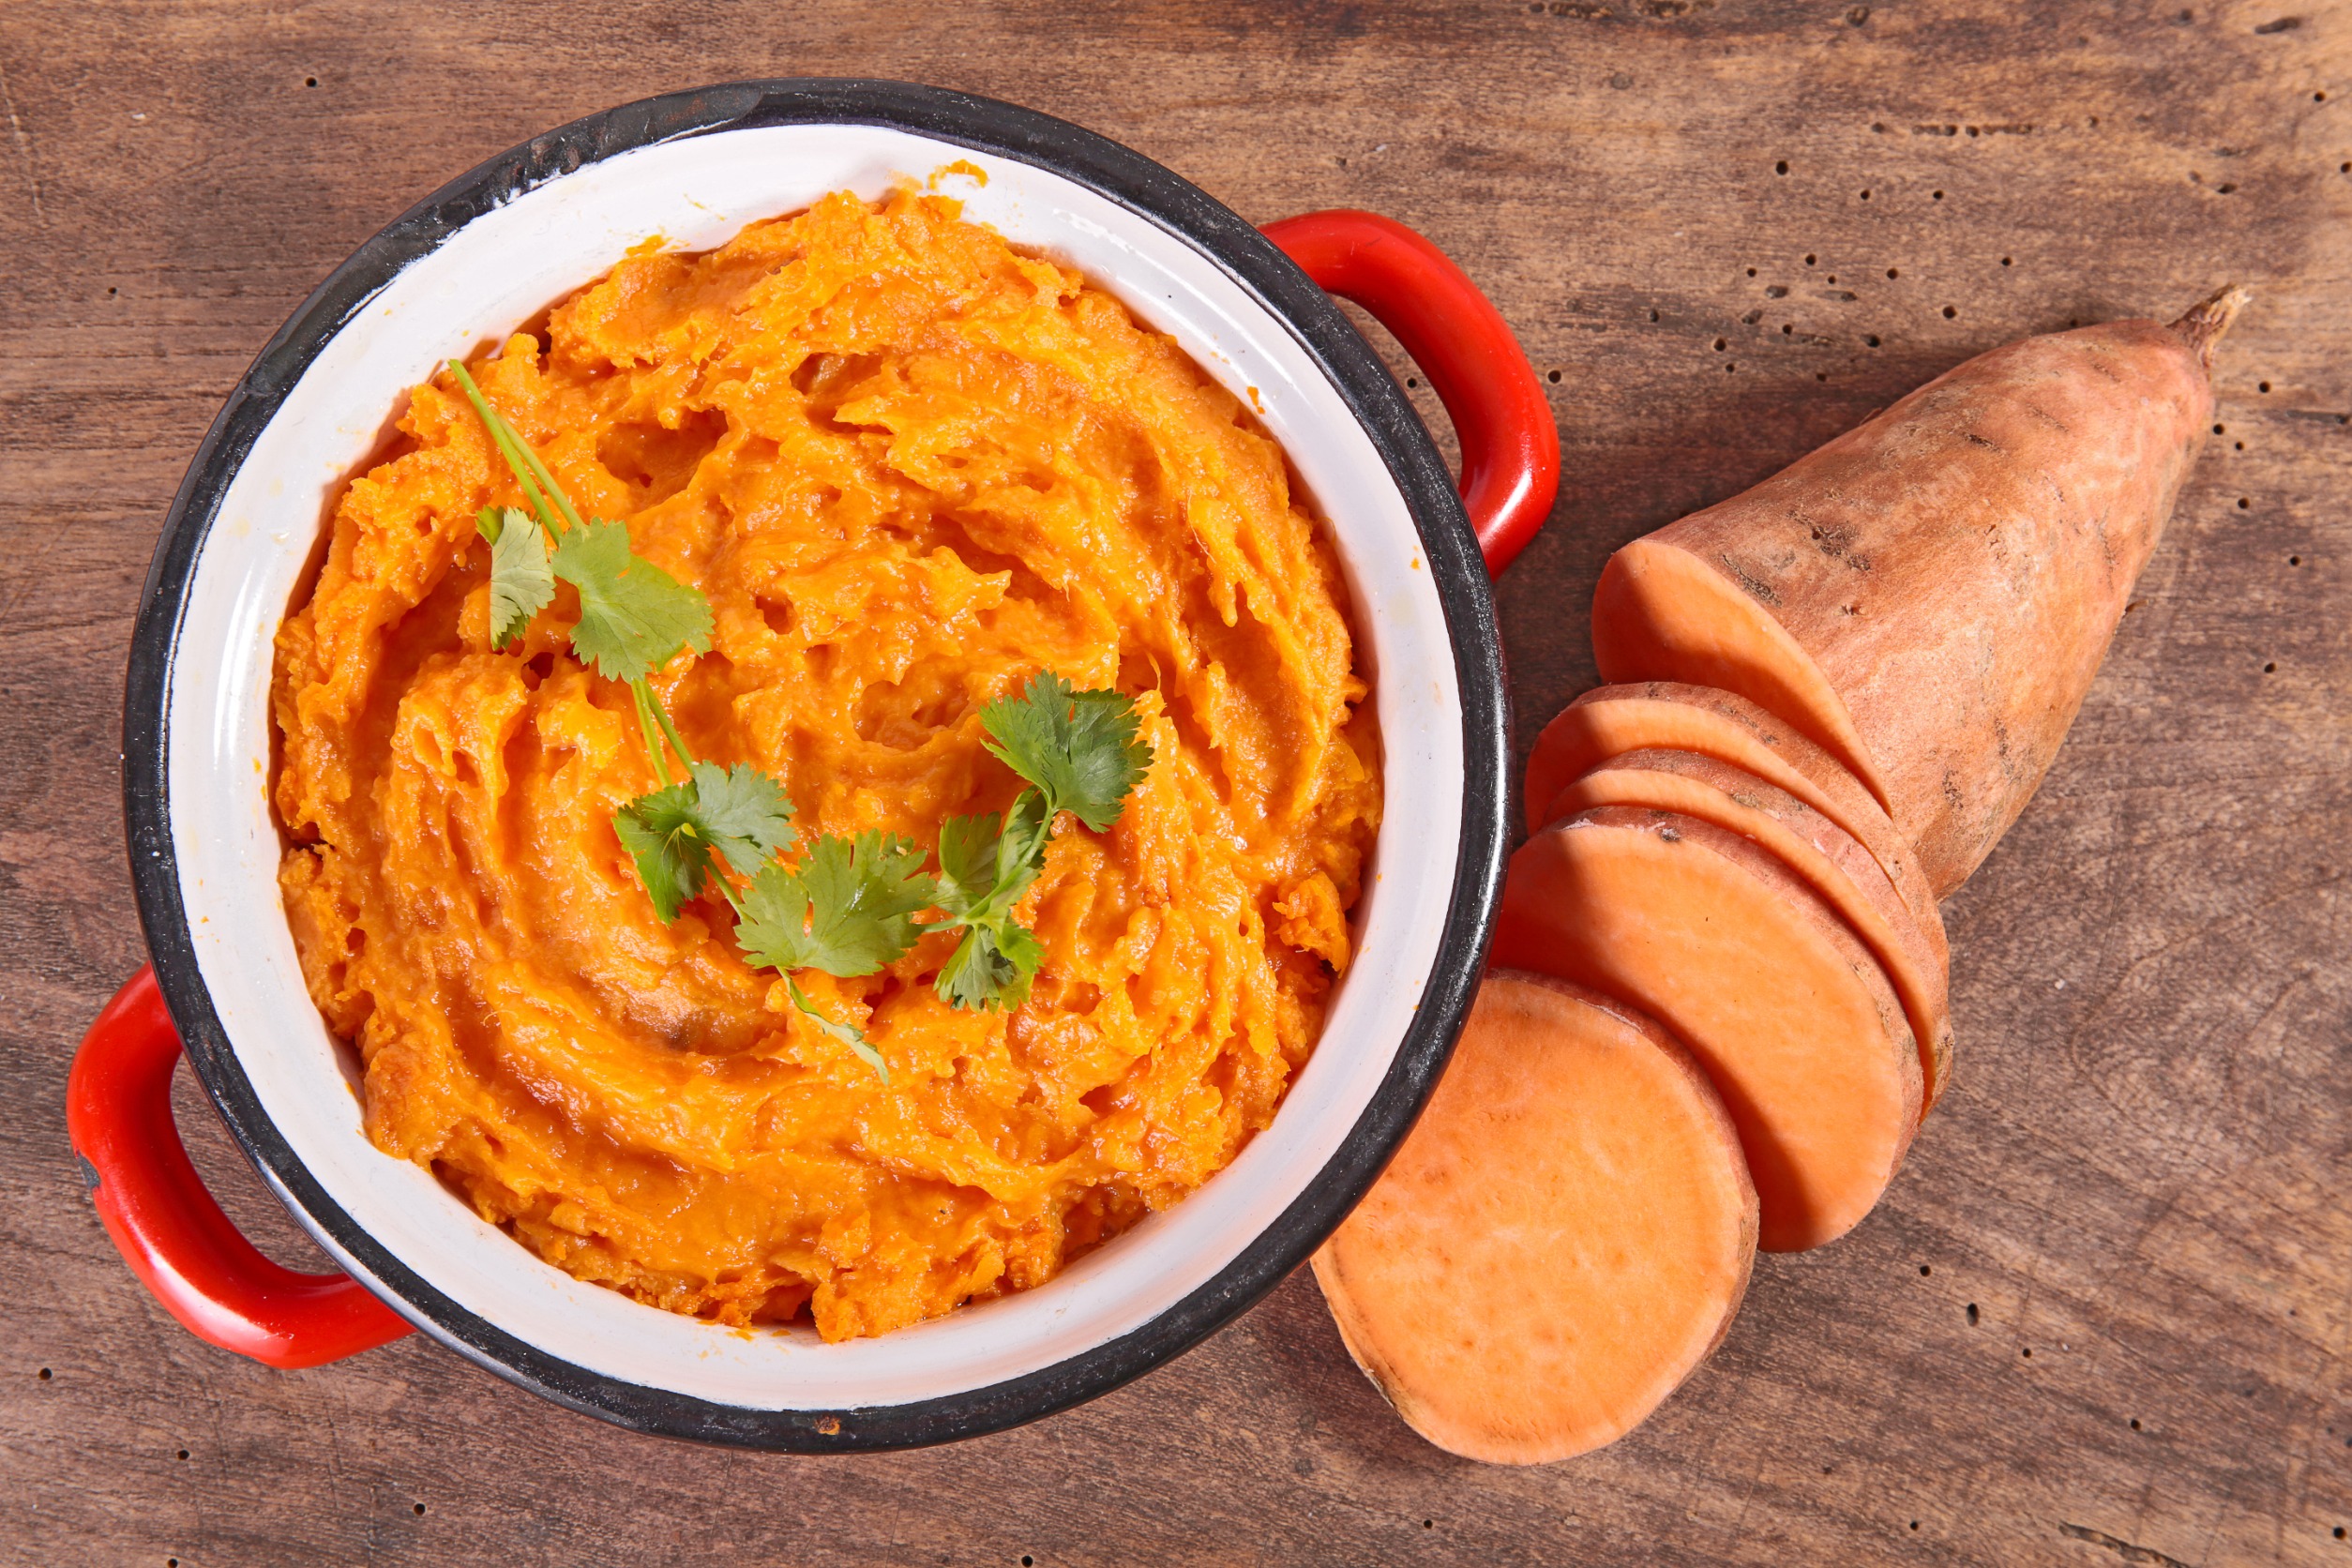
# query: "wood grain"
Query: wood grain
{"points": [[2100, 1318]]}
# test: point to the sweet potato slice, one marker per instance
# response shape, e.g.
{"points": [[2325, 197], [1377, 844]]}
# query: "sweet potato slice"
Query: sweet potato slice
{"points": [[1563, 1238], [1818, 849], [1668, 716], [1710, 934], [1928, 596]]}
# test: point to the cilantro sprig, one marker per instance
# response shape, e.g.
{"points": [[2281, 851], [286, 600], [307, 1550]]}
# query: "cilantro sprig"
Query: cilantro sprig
{"points": [[849, 906], [1079, 753], [739, 814]]}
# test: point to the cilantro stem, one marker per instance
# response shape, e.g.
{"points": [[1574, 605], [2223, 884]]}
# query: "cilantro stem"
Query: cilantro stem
{"points": [[532, 475], [522, 448], [646, 689], [841, 1032], [521, 460], [539, 469], [646, 708]]}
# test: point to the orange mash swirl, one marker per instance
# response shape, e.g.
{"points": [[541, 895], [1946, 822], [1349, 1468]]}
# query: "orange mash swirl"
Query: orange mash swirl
{"points": [[911, 467]]}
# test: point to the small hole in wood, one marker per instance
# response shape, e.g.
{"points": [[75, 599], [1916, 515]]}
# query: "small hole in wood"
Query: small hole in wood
{"points": [[110, 293], [2029, 1353], [2004, 261], [1972, 1314], [1781, 168], [1788, 329], [1925, 1271], [1866, 195], [1028, 1561], [2339, 1532], [1721, 345], [1891, 273], [1554, 378], [2294, 560], [309, 80], [2136, 1424], [1871, 339], [2239, 445], [182, 1453], [1729, 367], [2343, 168], [45, 1374], [1412, 381], [1821, 375], [1808, 261], [2226, 188], [2217, 429], [1653, 315], [2271, 669], [1751, 272], [1915, 1524], [1950, 312], [2244, 502], [2262, 386], [2319, 97], [1833, 278], [1938, 195], [420, 1510], [1428, 1524]]}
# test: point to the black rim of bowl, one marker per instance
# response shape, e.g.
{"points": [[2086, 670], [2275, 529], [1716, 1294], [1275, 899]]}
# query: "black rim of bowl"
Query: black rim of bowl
{"points": [[1134, 182]]}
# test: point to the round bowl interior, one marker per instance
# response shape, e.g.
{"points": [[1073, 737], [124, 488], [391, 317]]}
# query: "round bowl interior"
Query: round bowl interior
{"points": [[289, 1089]]}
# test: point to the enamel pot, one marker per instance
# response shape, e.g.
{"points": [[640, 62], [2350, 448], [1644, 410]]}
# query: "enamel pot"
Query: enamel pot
{"points": [[469, 265]]}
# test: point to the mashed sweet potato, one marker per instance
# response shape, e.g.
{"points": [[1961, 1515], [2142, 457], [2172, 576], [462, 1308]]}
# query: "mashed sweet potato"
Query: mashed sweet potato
{"points": [[910, 467]]}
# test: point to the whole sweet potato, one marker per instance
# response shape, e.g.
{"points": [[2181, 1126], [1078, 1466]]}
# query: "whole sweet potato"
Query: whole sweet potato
{"points": [[1928, 596]]}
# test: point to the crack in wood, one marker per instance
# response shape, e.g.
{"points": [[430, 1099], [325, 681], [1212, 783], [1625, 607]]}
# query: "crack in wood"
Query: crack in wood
{"points": [[2124, 1549]]}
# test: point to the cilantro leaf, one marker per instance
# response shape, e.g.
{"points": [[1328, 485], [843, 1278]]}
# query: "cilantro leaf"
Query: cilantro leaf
{"points": [[987, 863], [523, 583], [672, 861], [1079, 746], [740, 812], [992, 967], [634, 617], [840, 1031], [847, 909]]}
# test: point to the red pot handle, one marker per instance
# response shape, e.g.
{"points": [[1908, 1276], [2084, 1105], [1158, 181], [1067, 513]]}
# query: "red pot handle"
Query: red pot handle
{"points": [[118, 1113], [1510, 446]]}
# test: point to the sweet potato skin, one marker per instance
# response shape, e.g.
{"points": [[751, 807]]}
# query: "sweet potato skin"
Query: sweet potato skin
{"points": [[1523, 1285], [1740, 959], [1612, 720], [1955, 568], [1825, 855]]}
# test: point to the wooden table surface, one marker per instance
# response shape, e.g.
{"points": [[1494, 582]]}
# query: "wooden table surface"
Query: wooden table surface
{"points": [[2101, 1317]]}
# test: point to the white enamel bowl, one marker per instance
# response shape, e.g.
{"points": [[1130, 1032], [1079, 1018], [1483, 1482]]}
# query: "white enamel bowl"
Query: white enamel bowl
{"points": [[473, 263]]}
